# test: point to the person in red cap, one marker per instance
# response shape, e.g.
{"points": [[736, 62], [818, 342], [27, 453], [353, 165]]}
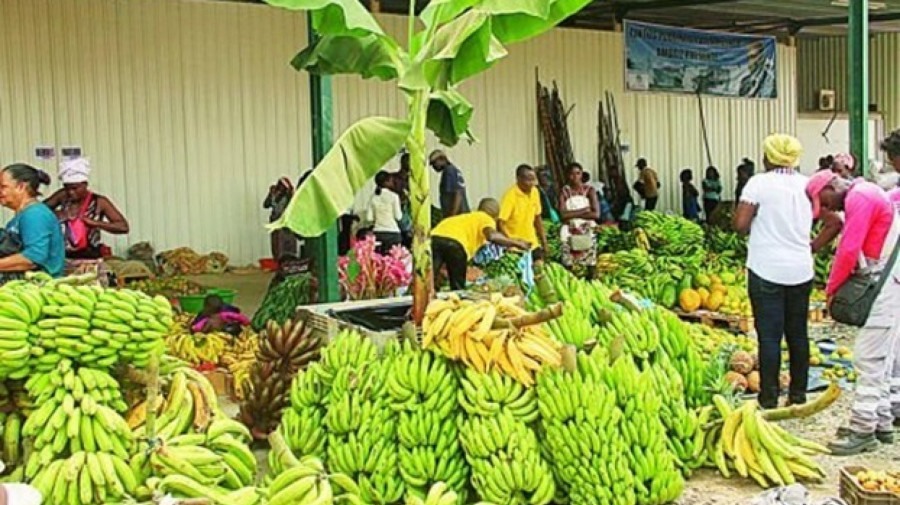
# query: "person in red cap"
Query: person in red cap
{"points": [[870, 232]]}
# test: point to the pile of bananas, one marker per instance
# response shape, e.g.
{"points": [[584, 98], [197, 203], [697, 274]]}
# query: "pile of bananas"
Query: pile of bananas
{"points": [[438, 494], [726, 242], [42, 324], [673, 236], [638, 331], [80, 442], [198, 348], [502, 450], [464, 330], [13, 448], [681, 422], [679, 348], [582, 440], [283, 351], [423, 389], [656, 477], [746, 443], [610, 239], [573, 327]]}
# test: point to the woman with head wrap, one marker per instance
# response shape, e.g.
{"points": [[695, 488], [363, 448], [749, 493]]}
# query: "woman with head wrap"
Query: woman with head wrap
{"points": [[83, 213], [776, 212], [844, 165]]}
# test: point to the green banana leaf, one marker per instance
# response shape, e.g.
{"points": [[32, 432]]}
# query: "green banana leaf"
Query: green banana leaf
{"points": [[329, 191], [460, 49], [368, 56], [438, 12], [449, 114], [519, 20], [335, 17]]}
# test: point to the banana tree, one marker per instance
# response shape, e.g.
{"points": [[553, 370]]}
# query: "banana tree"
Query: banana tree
{"points": [[447, 43]]}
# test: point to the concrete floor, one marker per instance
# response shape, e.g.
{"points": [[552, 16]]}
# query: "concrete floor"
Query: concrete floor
{"points": [[251, 288]]}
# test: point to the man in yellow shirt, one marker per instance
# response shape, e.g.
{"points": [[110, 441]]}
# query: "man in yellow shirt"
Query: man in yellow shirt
{"points": [[456, 239], [520, 211]]}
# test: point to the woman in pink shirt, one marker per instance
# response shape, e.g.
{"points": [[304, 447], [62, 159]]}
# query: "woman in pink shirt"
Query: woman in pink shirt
{"points": [[869, 236]]}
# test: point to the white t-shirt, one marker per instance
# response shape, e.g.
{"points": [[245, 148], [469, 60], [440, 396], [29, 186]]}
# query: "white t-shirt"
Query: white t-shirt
{"points": [[384, 212], [779, 250]]}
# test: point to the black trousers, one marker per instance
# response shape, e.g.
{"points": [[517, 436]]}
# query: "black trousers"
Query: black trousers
{"points": [[781, 311], [709, 206], [650, 203], [451, 253], [387, 240]]}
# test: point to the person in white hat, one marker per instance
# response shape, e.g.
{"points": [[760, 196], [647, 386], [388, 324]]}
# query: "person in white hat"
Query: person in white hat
{"points": [[82, 213]]}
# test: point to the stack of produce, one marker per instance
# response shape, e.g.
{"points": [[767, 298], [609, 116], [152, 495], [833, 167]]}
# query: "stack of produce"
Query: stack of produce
{"points": [[198, 446], [581, 436], [282, 299], [283, 351], [673, 236], [169, 287], [501, 449], [198, 348], [423, 389], [653, 466], [185, 261], [879, 481], [239, 359], [748, 444], [727, 243], [490, 334]]}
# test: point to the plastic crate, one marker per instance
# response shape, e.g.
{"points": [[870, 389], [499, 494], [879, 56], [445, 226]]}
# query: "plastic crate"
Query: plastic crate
{"points": [[227, 295], [854, 494], [191, 304]]}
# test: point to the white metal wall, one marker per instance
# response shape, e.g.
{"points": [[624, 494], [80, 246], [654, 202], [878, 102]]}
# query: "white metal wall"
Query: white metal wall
{"points": [[189, 109], [822, 64]]}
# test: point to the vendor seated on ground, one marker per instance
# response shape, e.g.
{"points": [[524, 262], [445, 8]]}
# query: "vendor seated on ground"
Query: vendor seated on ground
{"points": [[219, 316], [455, 240]]}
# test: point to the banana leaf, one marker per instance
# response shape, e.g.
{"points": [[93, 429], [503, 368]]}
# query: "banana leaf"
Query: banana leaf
{"points": [[460, 49], [519, 20], [335, 17], [356, 157], [449, 114], [368, 56]]}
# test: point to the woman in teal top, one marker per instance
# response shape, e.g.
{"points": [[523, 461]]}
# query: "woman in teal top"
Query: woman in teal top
{"points": [[34, 225], [712, 191]]}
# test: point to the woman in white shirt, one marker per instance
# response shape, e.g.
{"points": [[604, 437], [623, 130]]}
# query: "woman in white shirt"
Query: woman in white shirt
{"points": [[777, 213], [384, 213]]}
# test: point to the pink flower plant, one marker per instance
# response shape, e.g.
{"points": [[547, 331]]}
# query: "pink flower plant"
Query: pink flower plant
{"points": [[365, 275]]}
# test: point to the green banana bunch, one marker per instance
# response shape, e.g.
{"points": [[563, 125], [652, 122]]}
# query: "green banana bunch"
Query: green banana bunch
{"points": [[671, 235], [573, 327], [492, 393], [423, 389], [513, 471], [680, 422], [348, 349], [20, 307], [582, 442], [681, 349], [438, 494], [85, 478], [302, 423], [656, 478], [638, 330]]}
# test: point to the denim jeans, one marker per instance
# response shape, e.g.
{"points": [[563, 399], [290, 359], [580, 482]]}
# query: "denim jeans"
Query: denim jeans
{"points": [[781, 311]]}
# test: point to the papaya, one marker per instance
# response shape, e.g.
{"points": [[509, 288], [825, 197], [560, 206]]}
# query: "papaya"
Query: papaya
{"points": [[704, 296], [728, 278], [714, 301], [702, 281], [689, 300]]}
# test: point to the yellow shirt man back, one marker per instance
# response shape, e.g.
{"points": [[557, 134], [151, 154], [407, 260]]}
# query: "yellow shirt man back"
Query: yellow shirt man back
{"points": [[520, 210]]}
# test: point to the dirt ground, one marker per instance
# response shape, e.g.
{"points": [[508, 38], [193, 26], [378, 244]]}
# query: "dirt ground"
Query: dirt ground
{"points": [[707, 487]]}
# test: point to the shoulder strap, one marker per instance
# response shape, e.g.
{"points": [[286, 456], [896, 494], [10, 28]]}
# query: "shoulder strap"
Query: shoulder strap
{"points": [[889, 267], [88, 198]]}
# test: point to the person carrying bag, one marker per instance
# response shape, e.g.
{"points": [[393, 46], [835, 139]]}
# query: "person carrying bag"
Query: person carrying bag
{"points": [[867, 297]]}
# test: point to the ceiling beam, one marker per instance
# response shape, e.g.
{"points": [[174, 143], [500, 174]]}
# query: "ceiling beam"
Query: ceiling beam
{"points": [[795, 25], [623, 10]]}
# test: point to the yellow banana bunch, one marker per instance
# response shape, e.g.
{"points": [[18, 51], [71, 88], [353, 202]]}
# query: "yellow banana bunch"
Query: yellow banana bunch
{"points": [[465, 330], [752, 447], [196, 348]]}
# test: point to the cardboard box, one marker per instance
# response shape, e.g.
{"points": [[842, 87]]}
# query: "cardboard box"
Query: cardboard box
{"points": [[218, 379]]}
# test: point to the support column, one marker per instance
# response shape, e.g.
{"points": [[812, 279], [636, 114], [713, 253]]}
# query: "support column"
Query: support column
{"points": [[324, 247], [858, 45]]}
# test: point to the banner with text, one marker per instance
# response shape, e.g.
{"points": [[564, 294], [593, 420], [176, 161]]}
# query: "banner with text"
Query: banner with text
{"points": [[680, 60]]}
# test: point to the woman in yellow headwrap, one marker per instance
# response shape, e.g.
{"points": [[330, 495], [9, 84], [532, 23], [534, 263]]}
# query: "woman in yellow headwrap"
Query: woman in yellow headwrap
{"points": [[775, 210]]}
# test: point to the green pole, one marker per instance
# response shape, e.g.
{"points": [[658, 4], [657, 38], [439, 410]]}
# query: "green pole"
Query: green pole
{"points": [[325, 246], [858, 43]]}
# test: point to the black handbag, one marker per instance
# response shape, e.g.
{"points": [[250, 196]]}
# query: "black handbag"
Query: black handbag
{"points": [[10, 243], [853, 302]]}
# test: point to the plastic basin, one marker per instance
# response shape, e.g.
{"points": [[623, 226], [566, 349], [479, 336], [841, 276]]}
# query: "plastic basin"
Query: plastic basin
{"points": [[191, 303]]}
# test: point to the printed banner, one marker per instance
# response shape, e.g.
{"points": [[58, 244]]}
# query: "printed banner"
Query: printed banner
{"points": [[680, 60]]}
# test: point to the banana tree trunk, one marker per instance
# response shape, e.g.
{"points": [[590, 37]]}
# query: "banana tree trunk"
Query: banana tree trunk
{"points": [[420, 199]]}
